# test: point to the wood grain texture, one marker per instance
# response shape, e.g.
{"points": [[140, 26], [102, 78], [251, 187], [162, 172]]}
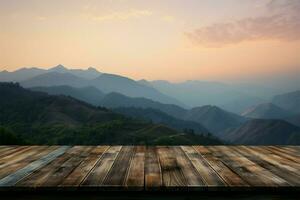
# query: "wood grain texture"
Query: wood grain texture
{"points": [[19, 175], [153, 175], [289, 176], [205, 171], [102, 167], [76, 177], [34, 154], [118, 172], [229, 176], [250, 171], [141, 168], [136, 171], [172, 173]]}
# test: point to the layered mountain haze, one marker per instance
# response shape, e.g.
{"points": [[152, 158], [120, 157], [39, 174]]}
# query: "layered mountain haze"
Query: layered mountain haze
{"points": [[114, 83], [116, 100], [157, 116], [30, 72], [289, 101], [75, 102], [264, 132], [88, 94], [55, 79], [214, 118], [230, 97], [107, 83], [266, 111], [39, 118]]}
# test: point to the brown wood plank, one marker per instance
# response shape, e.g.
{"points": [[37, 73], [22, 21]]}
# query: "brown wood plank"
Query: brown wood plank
{"points": [[192, 177], [118, 173], [39, 177], [102, 167], [290, 177], [12, 154], [153, 175], [250, 171], [285, 153], [150, 168], [230, 177], [77, 176], [58, 176], [294, 149], [275, 159], [209, 176], [34, 154], [136, 173], [172, 175], [15, 177], [4, 149], [18, 156]]}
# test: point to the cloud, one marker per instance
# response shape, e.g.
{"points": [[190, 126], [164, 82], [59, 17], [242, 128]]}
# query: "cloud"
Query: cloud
{"points": [[119, 16], [283, 23]]}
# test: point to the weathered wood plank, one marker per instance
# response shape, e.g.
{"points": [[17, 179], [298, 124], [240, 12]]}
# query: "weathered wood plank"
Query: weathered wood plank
{"points": [[15, 156], [150, 168], [285, 153], [11, 151], [79, 174], [136, 173], [208, 174], [39, 177], [191, 175], [230, 177], [59, 175], [153, 175], [290, 177], [275, 159], [29, 157], [4, 149], [250, 171], [102, 167], [172, 175], [14, 178], [118, 173]]}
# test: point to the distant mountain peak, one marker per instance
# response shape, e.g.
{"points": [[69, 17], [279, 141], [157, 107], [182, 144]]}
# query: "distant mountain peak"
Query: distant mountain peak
{"points": [[59, 67], [92, 69], [265, 111]]}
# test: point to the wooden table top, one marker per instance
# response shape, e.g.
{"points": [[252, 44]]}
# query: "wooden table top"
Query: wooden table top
{"points": [[140, 168]]}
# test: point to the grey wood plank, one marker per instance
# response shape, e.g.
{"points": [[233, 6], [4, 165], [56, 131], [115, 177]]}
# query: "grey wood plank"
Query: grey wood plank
{"points": [[13, 178], [61, 173], [27, 158], [37, 178]]}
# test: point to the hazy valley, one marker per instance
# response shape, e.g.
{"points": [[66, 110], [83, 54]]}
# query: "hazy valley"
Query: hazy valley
{"points": [[64, 106]]}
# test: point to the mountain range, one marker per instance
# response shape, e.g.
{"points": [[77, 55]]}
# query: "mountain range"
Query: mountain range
{"points": [[40, 118], [59, 75], [229, 111], [266, 111], [289, 101], [264, 132]]}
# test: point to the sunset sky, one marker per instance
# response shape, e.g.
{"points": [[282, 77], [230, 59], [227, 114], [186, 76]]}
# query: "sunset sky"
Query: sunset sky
{"points": [[153, 39]]}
